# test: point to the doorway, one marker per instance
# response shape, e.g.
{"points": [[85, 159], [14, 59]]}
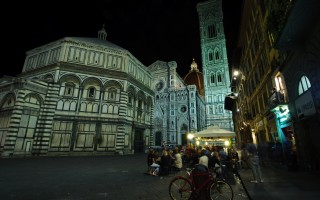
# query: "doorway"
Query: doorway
{"points": [[138, 141], [158, 139]]}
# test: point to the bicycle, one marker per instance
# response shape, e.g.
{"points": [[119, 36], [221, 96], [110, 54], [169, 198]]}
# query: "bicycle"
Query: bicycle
{"points": [[181, 187]]}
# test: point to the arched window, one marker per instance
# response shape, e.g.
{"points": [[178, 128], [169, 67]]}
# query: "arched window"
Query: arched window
{"points": [[69, 89], [219, 78], [217, 55], [212, 80], [212, 31], [304, 85], [91, 92], [210, 56], [112, 94]]}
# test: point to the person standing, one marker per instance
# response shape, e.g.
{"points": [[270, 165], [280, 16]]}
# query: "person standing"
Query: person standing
{"points": [[253, 160], [177, 160], [165, 163], [204, 160]]}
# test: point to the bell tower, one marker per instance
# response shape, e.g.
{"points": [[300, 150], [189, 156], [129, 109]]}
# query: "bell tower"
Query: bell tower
{"points": [[214, 63]]}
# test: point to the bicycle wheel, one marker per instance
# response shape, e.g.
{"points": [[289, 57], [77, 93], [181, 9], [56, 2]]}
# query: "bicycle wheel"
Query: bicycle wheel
{"points": [[180, 188], [220, 190]]}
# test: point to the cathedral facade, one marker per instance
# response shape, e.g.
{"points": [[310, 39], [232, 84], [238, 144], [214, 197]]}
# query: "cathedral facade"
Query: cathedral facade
{"points": [[179, 108]]}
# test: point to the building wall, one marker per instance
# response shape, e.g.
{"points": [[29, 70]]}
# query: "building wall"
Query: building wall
{"points": [[303, 60], [254, 120], [276, 52], [64, 107]]}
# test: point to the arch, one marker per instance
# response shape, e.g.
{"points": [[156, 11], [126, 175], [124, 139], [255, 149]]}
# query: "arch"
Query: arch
{"points": [[69, 89], [219, 77], [212, 32], [33, 99], [66, 105], [304, 84], [48, 78], [70, 85], [73, 106], [8, 101], [217, 54], [212, 78], [110, 109], [69, 78], [114, 83], [95, 108], [91, 88], [116, 109], [210, 55], [105, 108], [60, 105], [112, 91]]}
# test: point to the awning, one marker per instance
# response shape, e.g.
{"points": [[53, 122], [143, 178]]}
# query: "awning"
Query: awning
{"points": [[215, 132]]}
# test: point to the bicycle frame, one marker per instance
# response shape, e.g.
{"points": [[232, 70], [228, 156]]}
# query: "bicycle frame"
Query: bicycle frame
{"points": [[188, 186], [205, 183]]}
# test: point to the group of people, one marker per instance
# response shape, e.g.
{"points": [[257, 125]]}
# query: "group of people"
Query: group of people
{"points": [[173, 160], [214, 158], [163, 164]]}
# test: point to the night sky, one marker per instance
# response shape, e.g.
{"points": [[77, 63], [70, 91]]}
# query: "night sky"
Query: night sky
{"points": [[151, 30]]}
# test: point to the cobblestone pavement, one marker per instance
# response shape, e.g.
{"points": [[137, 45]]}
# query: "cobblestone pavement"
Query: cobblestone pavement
{"points": [[124, 178]]}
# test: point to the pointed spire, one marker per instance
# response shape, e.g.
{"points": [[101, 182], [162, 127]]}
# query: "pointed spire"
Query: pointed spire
{"points": [[194, 66], [102, 34]]}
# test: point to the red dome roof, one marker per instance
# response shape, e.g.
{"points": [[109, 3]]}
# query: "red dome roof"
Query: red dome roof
{"points": [[195, 77]]}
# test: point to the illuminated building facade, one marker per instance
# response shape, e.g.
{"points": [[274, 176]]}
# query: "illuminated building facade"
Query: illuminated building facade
{"points": [[77, 96], [215, 66], [88, 96], [277, 100], [179, 108]]}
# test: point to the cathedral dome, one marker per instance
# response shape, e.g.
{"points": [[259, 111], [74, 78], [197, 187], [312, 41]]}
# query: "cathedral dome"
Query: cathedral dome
{"points": [[195, 77]]}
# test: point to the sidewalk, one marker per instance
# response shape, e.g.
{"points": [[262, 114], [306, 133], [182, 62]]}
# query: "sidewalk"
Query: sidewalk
{"points": [[279, 183]]}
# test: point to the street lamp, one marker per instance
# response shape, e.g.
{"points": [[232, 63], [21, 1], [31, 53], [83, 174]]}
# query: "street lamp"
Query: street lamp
{"points": [[235, 73], [190, 137]]}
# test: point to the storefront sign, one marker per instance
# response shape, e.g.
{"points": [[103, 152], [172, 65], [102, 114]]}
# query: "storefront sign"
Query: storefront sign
{"points": [[304, 105]]}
